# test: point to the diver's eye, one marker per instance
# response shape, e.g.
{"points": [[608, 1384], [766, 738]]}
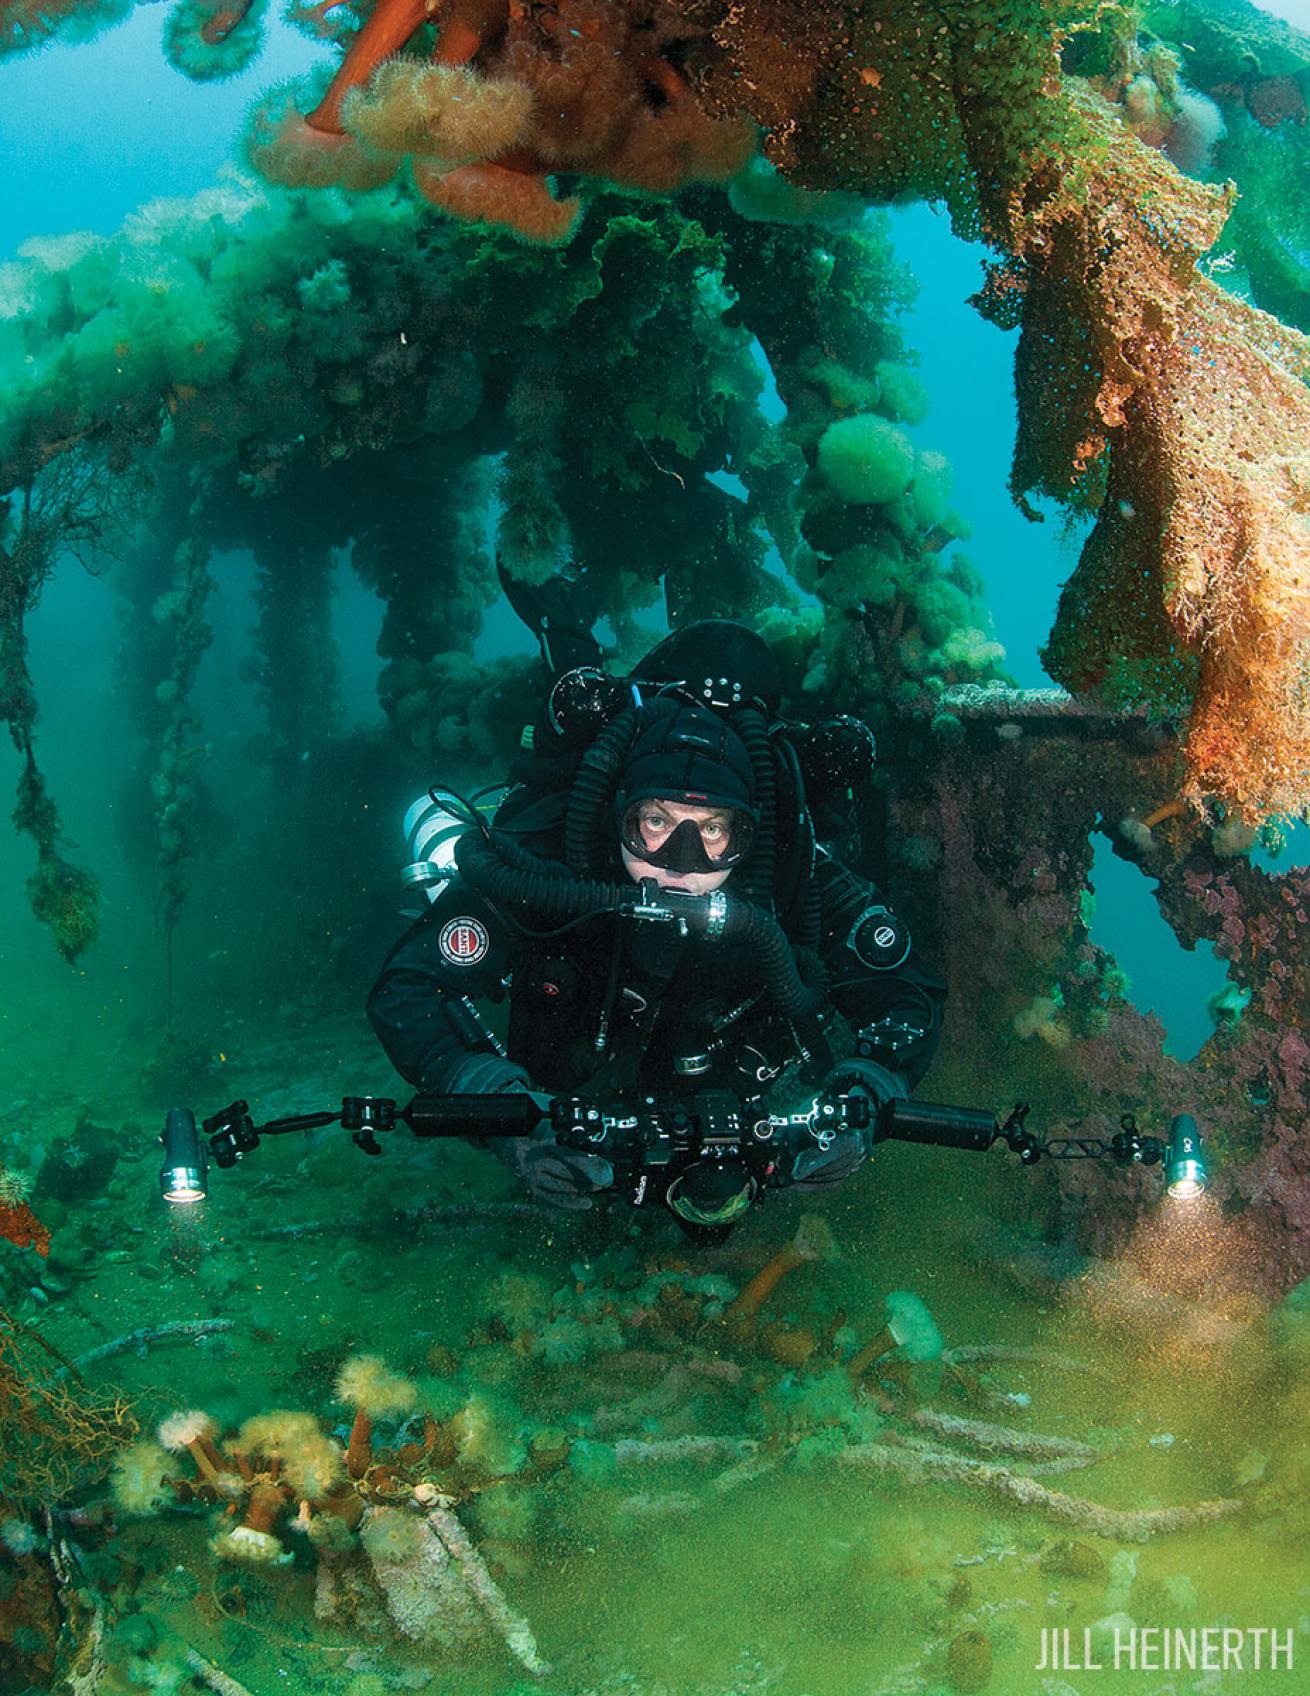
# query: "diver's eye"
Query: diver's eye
{"points": [[654, 822], [714, 830]]}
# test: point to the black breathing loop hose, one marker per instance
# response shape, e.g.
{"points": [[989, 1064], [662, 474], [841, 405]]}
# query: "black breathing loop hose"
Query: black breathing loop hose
{"points": [[809, 933], [593, 788], [749, 724], [795, 846], [761, 932], [507, 874]]}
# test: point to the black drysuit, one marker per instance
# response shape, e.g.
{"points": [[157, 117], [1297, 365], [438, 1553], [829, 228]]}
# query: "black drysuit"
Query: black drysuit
{"points": [[611, 1005]]}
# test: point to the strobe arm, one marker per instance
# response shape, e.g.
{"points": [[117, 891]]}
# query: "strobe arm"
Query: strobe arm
{"points": [[653, 1131], [513, 1114], [233, 1132], [942, 1127]]}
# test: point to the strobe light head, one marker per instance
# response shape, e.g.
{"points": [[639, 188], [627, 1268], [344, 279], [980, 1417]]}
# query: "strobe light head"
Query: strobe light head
{"points": [[183, 1176], [1185, 1173]]}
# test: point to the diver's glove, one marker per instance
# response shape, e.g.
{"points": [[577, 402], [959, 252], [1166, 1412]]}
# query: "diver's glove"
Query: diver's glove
{"points": [[554, 1176], [848, 1150]]}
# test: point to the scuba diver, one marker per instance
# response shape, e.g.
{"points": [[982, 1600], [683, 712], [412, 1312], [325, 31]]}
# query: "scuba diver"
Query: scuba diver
{"points": [[659, 897]]}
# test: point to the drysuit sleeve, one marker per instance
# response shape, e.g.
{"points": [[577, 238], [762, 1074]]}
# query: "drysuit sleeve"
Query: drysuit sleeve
{"points": [[424, 1003], [884, 989]]}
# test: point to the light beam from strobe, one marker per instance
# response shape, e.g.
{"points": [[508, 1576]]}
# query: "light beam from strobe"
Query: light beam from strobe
{"points": [[184, 1174], [1185, 1172]]}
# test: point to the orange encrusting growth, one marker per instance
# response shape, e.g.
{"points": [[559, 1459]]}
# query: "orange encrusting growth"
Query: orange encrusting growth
{"points": [[20, 1226], [1197, 413], [508, 94]]}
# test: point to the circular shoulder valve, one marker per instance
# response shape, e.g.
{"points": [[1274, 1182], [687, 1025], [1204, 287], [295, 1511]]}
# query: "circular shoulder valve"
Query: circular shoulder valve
{"points": [[879, 938]]}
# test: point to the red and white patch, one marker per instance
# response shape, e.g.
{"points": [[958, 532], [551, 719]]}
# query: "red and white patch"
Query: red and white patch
{"points": [[463, 941]]}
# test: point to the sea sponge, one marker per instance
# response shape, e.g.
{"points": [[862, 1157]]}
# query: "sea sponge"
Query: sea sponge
{"points": [[426, 1593], [444, 112], [487, 1430], [253, 1548], [137, 1479], [866, 460], [1041, 1018], [913, 1327], [762, 194]]}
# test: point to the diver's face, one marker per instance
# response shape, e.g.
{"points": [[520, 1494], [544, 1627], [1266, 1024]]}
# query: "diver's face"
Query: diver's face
{"points": [[657, 822]]}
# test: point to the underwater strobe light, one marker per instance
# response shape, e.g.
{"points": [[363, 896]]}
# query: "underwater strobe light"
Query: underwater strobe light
{"points": [[1185, 1175], [182, 1178]]}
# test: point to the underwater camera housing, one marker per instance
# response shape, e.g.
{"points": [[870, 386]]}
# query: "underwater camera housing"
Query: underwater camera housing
{"points": [[707, 1158]]}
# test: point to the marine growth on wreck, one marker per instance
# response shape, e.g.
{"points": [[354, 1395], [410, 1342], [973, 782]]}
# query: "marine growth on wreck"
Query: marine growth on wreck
{"points": [[589, 316]]}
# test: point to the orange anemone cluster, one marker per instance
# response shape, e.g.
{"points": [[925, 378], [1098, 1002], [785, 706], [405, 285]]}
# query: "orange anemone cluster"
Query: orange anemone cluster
{"points": [[487, 98]]}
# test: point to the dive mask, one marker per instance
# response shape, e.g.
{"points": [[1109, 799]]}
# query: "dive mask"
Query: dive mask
{"points": [[692, 845]]}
